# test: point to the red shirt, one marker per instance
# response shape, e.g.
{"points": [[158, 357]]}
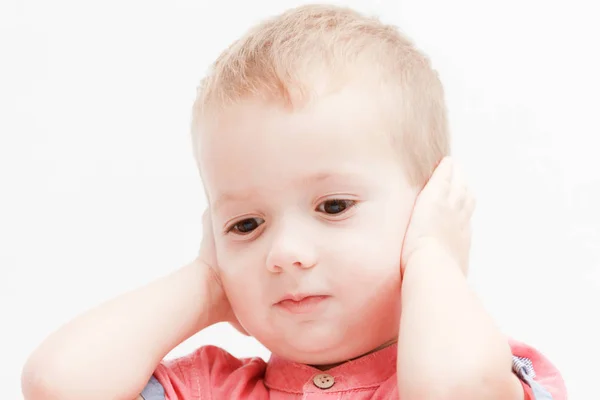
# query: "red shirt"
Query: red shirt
{"points": [[213, 373]]}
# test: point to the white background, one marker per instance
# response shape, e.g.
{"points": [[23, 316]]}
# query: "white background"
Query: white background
{"points": [[100, 194]]}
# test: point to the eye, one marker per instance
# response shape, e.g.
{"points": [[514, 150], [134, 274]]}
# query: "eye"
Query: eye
{"points": [[335, 206], [246, 226]]}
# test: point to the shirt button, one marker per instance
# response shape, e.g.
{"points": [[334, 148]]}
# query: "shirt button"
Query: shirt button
{"points": [[323, 381]]}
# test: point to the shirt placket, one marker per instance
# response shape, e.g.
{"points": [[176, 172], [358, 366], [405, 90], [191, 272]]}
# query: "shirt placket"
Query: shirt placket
{"points": [[318, 388]]}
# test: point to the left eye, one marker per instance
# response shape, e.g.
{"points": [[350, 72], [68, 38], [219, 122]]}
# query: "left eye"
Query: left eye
{"points": [[335, 206]]}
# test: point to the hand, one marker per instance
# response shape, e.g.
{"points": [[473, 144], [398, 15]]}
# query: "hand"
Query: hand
{"points": [[208, 257], [441, 218]]}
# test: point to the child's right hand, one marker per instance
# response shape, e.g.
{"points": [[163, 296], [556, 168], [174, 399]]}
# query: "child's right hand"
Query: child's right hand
{"points": [[208, 256], [441, 218]]}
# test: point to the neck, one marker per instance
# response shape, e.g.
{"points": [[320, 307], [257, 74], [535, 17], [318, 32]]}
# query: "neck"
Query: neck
{"points": [[382, 346]]}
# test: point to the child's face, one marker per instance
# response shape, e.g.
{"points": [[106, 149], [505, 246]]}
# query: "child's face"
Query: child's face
{"points": [[275, 176]]}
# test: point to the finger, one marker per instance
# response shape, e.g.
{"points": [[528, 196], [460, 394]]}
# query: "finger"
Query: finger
{"points": [[444, 170], [458, 188], [207, 243], [206, 219], [469, 204], [458, 197], [441, 177], [207, 225]]}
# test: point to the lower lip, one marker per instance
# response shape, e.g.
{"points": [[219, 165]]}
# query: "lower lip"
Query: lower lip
{"points": [[304, 306]]}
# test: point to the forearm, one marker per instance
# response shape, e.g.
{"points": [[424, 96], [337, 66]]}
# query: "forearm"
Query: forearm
{"points": [[110, 351], [448, 345]]}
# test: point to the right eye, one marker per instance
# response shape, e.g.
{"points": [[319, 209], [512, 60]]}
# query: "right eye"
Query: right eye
{"points": [[246, 226]]}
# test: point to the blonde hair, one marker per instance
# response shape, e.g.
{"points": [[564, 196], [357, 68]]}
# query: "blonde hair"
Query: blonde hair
{"points": [[278, 60]]}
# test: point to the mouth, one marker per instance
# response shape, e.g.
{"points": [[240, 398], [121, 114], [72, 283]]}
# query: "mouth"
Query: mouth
{"points": [[301, 304]]}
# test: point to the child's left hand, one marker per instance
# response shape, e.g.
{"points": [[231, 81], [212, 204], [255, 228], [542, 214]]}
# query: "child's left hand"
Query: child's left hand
{"points": [[441, 218]]}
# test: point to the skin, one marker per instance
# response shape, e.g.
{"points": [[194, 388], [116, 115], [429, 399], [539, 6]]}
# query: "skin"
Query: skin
{"points": [[312, 201], [323, 204], [380, 258]]}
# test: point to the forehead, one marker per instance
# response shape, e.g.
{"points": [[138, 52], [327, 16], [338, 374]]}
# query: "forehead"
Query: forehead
{"points": [[260, 145]]}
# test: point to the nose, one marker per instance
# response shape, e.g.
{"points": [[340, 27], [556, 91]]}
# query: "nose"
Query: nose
{"points": [[291, 249]]}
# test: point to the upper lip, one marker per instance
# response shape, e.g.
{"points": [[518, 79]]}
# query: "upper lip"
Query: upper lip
{"points": [[298, 296]]}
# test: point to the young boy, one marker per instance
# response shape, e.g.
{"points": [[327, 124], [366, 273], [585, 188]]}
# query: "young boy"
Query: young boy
{"points": [[337, 235]]}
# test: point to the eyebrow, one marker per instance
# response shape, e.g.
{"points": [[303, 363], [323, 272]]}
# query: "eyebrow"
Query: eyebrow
{"points": [[311, 179]]}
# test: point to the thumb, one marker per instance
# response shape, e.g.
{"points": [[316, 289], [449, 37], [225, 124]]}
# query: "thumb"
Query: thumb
{"points": [[442, 173]]}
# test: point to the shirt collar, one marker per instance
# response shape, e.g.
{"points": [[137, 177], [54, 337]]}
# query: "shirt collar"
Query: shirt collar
{"points": [[370, 370]]}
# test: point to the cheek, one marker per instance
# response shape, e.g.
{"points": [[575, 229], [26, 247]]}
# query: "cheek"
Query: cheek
{"points": [[237, 261], [244, 298], [243, 281], [239, 281], [370, 250], [378, 232]]}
